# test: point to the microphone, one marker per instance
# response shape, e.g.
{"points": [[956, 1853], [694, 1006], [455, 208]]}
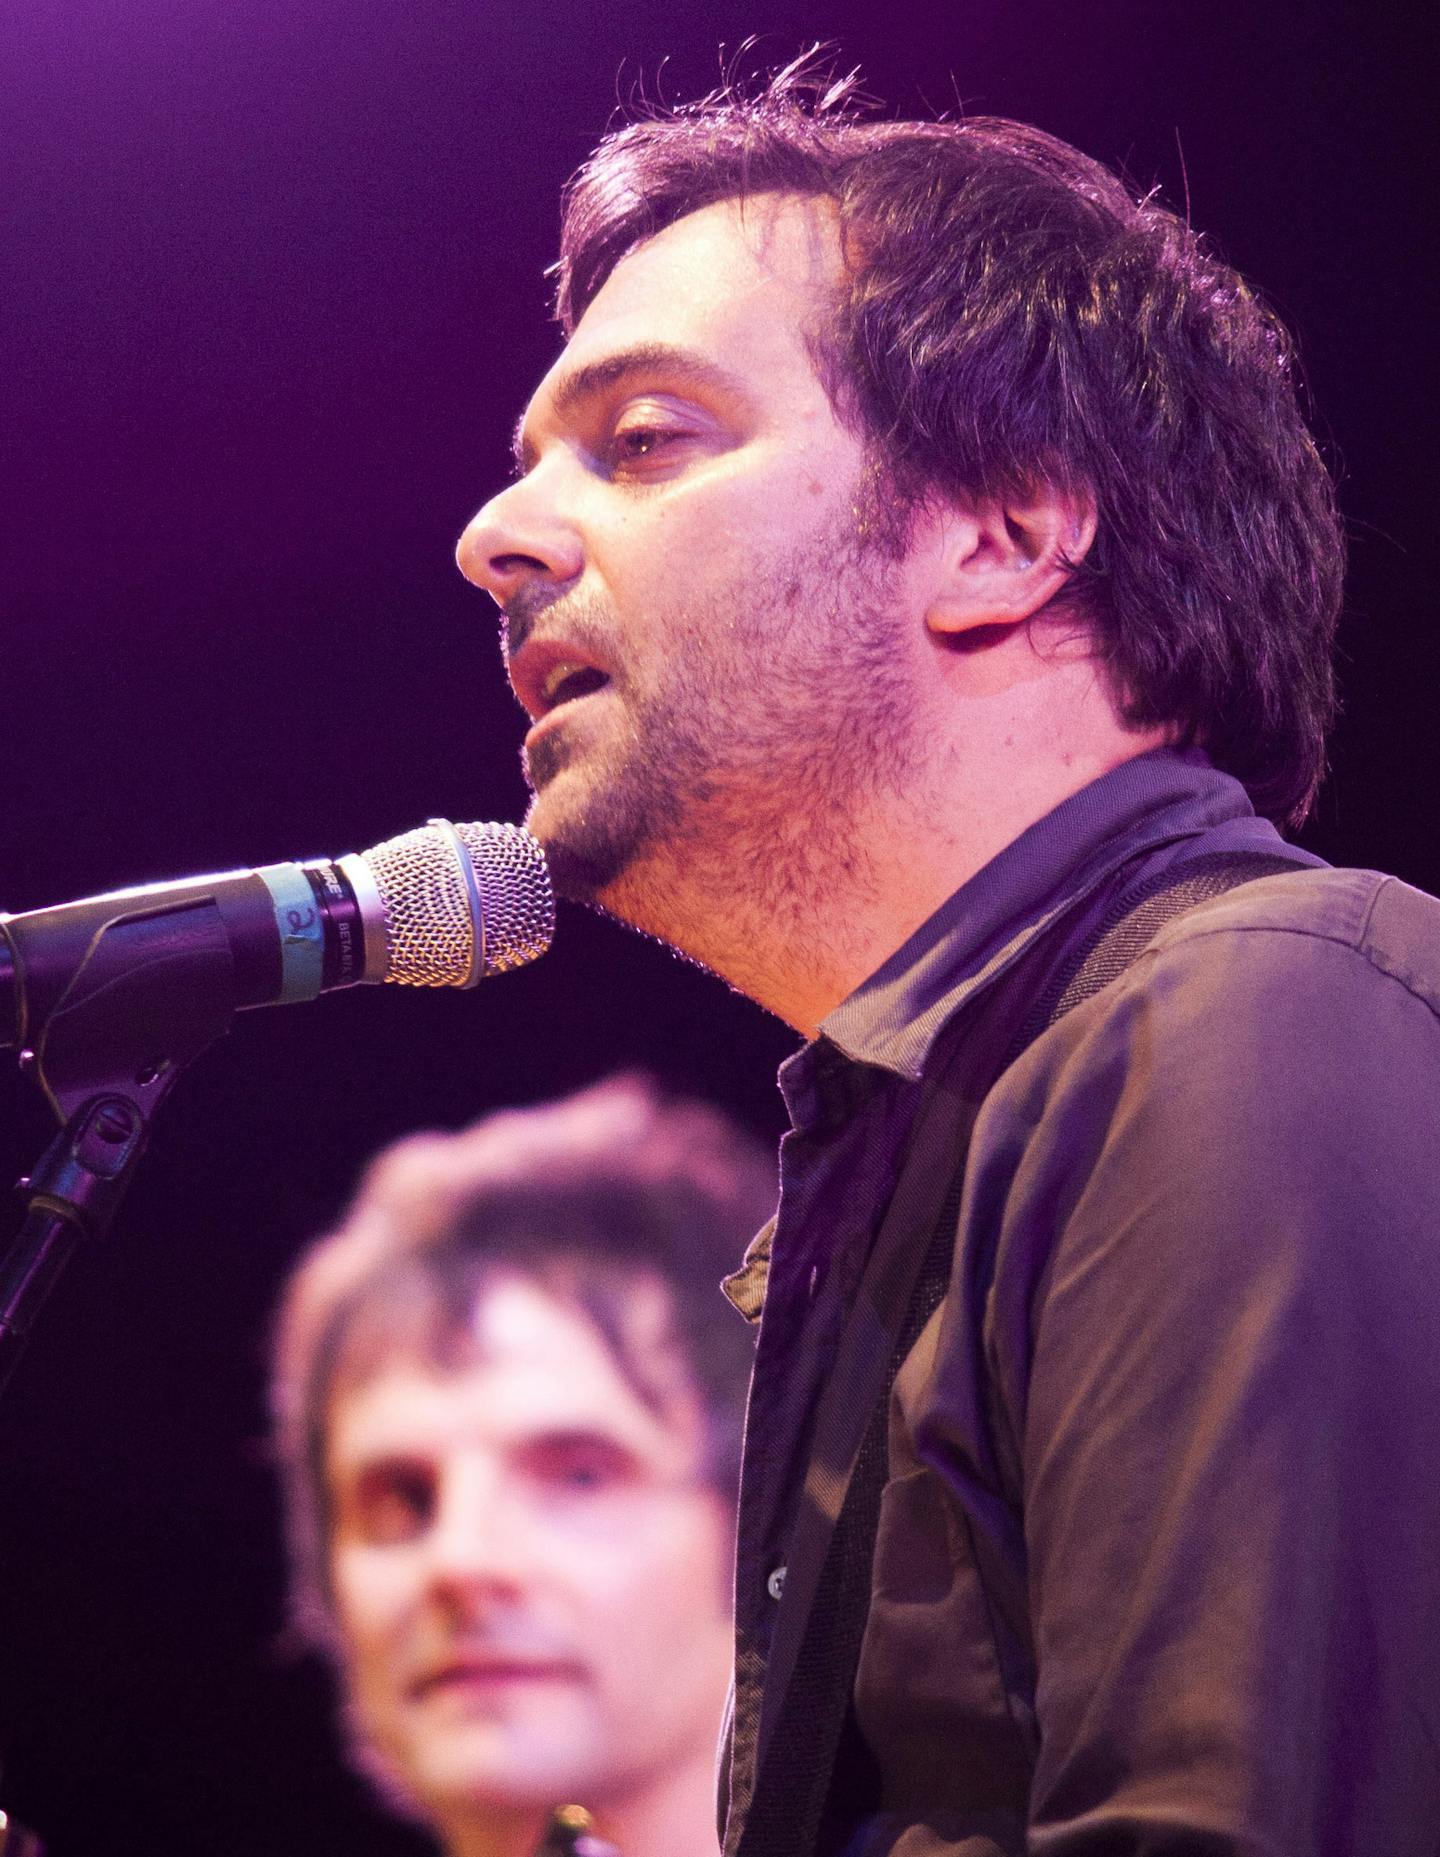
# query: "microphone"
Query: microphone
{"points": [[444, 905]]}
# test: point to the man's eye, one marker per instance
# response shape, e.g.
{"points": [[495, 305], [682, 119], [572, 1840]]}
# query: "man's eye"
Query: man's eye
{"points": [[393, 1503], [640, 441], [635, 444], [581, 1467]]}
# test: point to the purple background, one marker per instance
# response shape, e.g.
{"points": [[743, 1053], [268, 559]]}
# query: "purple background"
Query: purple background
{"points": [[274, 300]]}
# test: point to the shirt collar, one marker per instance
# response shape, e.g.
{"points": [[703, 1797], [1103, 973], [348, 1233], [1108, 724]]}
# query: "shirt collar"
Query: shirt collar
{"points": [[746, 1286], [894, 1017]]}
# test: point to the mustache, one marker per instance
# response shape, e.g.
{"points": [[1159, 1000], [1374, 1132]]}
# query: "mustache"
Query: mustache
{"points": [[519, 614], [583, 624]]}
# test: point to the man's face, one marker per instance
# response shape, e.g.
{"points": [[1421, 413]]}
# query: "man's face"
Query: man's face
{"points": [[531, 1579], [702, 617]]}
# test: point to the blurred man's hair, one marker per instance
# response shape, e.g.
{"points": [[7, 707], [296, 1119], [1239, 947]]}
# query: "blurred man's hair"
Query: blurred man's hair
{"points": [[586, 1196], [1013, 314]]}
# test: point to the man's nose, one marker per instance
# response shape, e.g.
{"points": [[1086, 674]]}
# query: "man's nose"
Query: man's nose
{"points": [[517, 539], [478, 1542]]}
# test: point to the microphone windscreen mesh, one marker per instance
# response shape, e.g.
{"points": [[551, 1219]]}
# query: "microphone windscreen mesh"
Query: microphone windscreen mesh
{"points": [[517, 904], [461, 902]]}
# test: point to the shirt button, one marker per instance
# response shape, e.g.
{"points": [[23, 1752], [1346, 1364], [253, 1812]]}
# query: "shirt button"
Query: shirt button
{"points": [[775, 1585]]}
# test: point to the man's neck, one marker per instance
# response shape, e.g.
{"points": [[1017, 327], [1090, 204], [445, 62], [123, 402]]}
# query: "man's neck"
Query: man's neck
{"points": [[798, 915], [495, 1834], [673, 1815]]}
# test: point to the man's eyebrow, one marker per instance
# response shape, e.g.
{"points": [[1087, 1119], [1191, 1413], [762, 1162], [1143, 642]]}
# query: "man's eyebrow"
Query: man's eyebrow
{"points": [[571, 389], [565, 1434]]}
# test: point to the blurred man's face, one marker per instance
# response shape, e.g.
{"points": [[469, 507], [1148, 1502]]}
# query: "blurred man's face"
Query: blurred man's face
{"points": [[531, 1578]]}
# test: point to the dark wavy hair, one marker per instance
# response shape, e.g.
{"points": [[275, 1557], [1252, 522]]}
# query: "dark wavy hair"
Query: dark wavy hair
{"points": [[1013, 314]]}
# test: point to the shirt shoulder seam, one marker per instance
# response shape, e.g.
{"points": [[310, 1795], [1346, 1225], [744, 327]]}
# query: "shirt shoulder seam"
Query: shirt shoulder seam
{"points": [[1357, 940]]}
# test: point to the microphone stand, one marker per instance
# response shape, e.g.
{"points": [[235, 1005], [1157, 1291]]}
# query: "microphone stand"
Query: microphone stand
{"points": [[143, 1003]]}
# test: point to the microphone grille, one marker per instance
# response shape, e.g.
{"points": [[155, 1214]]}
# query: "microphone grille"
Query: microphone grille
{"points": [[461, 902]]}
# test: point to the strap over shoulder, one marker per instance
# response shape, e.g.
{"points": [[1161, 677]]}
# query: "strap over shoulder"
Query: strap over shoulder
{"points": [[815, 1651], [1133, 921]]}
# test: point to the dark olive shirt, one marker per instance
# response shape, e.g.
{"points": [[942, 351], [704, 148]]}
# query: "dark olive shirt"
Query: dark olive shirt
{"points": [[1158, 1561]]}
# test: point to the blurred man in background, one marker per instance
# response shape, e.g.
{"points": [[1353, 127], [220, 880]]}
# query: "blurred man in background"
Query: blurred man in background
{"points": [[509, 1410]]}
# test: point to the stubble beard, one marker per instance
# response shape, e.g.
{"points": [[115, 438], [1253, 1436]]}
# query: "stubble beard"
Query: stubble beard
{"points": [[737, 788], [625, 808]]}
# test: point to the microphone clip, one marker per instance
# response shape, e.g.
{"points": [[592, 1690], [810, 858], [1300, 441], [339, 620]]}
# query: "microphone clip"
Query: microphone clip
{"points": [[140, 1007]]}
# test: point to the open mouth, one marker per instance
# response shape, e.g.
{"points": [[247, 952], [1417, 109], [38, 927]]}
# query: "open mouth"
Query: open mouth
{"points": [[565, 682]]}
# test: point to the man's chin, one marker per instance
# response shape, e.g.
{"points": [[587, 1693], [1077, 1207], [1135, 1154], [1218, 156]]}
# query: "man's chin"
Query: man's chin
{"points": [[585, 856], [516, 1774]]}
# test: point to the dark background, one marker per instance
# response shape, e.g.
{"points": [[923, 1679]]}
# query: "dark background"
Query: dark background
{"points": [[274, 299]]}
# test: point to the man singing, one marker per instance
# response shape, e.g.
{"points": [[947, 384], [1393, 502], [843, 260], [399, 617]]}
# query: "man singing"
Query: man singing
{"points": [[922, 583], [509, 1421]]}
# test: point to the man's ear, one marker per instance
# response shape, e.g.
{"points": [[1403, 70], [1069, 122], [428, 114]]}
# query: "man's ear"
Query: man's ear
{"points": [[1000, 560]]}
